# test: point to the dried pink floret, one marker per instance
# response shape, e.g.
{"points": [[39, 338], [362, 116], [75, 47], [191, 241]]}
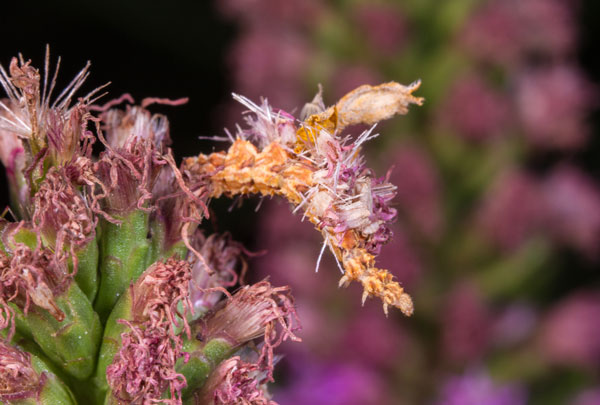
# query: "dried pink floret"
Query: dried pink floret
{"points": [[144, 367], [234, 382], [32, 277], [252, 312], [18, 379]]}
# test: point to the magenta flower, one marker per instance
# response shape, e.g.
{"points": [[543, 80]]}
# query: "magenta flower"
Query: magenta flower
{"points": [[588, 397], [569, 332], [512, 210], [572, 201], [475, 111], [383, 26], [334, 384], [479, 389], [506, 32], [553, 104], [418, 190], [466, 324]]}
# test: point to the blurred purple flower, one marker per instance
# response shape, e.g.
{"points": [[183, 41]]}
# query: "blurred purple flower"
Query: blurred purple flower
{"points": [[573, 205], [334, 384], [474, 110], [492, 34], [402, 257], [512, 210], [552, 104], [270, 63], [383, 26], [479, 389], [546, 26], [570, 333], [465, 324], [505, 32], [588, 397], [513, 324], [372, 339], [418, 190]]}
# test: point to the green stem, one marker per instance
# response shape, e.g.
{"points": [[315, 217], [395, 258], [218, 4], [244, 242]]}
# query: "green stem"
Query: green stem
{"points": [[71, 344], [123, 258], [87, 269], [204, 359], [111, 342]]}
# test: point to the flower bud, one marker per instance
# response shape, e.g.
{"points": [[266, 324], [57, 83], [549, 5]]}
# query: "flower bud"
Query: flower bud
{"points": [[234, 382], [26, 379], [140, 344]]}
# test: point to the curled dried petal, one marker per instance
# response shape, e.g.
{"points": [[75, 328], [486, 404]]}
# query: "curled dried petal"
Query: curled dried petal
{"points": [[254, 311], [33, 276], [158, 293], [61, 213], [234, 382], [18, 379], [144, 367]]}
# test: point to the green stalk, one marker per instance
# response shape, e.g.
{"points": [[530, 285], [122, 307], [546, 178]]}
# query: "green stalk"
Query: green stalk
{"points": [[87, 269], [159, 250], [71, 344], [111, 342], [204, 359], [123, 255]]}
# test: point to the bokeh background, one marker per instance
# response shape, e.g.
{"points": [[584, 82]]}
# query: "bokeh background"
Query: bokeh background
{"points": [[498, 235]]}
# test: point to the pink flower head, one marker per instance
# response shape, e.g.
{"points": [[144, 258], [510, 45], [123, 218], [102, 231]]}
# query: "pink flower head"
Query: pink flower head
{"points": [[588, 397], [261, 58], [334, 384], [547, 26], [41, 123], [466, 324], [234, 382], [553, 104], [254, 311], [144, 367], [493, 34], [18, 379], [129, 174], [569, 333], [474, 110], [479, 389], [383, 26], [159, 291], [505, 32], [32, 277], [418, 190], [573, 203], [123, 126], [223, 259], [514, 324], [512, 210], [61, 213], [370, 339]]}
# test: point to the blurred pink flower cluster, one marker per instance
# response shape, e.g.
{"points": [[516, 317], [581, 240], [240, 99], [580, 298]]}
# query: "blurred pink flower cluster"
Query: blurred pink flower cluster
{"points": [[478, 222]]}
